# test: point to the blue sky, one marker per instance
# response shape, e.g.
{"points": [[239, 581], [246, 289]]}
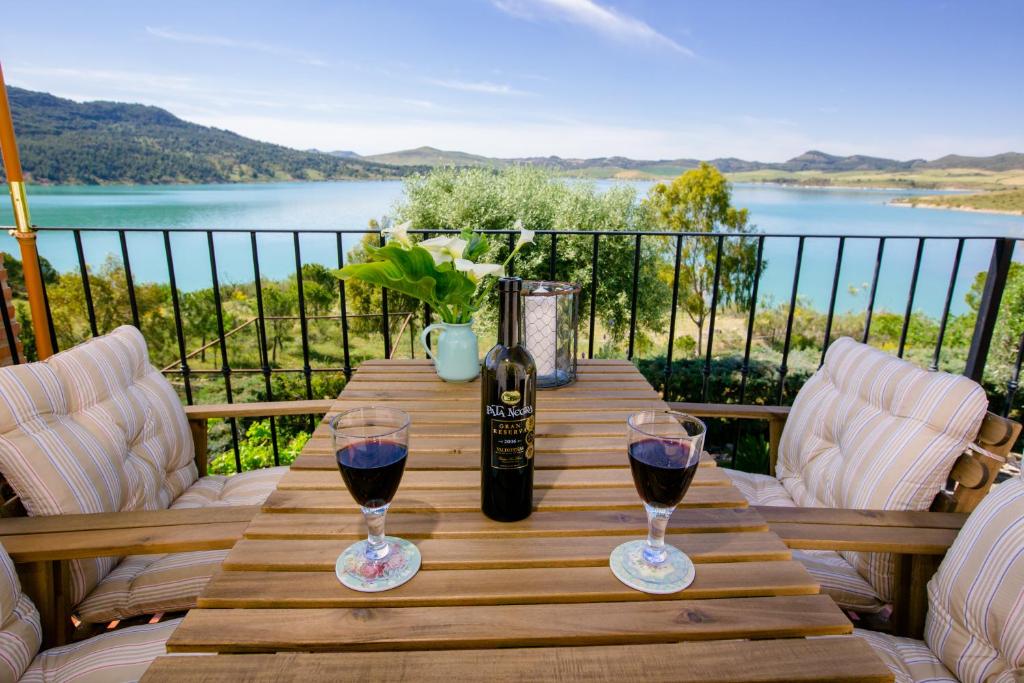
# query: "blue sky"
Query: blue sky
{"points": [[639, 78]]}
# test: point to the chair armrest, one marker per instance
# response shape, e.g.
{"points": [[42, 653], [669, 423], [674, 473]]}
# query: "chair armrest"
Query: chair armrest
{"points": [[904, 533], [145, 532], [263, 409], [732, 410]]}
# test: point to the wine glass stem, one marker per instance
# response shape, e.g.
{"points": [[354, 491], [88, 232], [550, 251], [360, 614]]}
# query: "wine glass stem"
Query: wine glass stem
{"points": [[657, 524], [376, 547]]}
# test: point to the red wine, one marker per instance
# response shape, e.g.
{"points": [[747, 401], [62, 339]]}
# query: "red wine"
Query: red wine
{"points": [[662, 470], [508, 406], [372, 470]]}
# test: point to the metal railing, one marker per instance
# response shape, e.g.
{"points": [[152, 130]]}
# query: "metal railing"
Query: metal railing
{"points": [[673, 247]]}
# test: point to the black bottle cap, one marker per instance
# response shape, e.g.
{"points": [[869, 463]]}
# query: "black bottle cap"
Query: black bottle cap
{"points": [[510, 284]]}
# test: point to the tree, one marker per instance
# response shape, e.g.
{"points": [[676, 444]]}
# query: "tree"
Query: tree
{"points": [[700, 201], [279, 302], [199, 317], [483, 199]]}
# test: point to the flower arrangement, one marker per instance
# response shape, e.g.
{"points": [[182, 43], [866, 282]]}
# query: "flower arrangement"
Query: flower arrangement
{"points": [[443, 272]]}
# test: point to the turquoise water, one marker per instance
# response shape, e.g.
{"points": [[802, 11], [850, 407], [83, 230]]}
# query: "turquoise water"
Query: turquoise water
{"points": [[349, 205]]}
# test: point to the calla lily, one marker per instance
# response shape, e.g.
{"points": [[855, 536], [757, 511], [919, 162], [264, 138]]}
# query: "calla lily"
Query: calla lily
{"points": [[478, 271], [399, 233], [525, 236], [444, 249]]}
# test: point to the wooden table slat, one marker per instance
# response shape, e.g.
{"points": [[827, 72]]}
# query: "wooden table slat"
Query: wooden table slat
{"points": [[465, 500], [417, 628], [504, 553], [843, 659], [630, 522]]}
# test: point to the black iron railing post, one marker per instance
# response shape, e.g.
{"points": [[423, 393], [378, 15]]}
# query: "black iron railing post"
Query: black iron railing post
{"points": [[307, 371], [12, 342], [129, 280], [385, 318], [832, 300], [261, 329], [178, 328], [593, 295], [86, 288], [874, 289], [632, 300], [343, 308], [783, 368], [711, 319], [955, 271], [988, 307], [225, 367], [910, 298], [672, 318]]}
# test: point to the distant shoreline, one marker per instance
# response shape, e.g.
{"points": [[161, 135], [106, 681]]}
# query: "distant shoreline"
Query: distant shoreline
{"points": [[946, 207]]}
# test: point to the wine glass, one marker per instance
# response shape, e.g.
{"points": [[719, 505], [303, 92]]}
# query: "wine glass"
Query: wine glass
{"points": [[371, 446], [664, 452]]}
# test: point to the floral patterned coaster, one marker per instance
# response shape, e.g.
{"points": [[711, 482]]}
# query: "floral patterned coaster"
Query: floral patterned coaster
{"points": [[400, 565], [671, 576]]}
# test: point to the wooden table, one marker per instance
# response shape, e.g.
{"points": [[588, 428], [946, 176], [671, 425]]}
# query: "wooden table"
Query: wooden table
{"points": [[511, 601]]}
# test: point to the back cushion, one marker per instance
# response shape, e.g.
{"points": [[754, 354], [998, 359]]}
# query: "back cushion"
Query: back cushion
{"points": [[871, 431], [976, 599], [20, 632], [93, 429]]}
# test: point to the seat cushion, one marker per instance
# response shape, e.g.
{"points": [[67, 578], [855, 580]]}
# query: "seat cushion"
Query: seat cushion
{"points": [[20, 632], [837, 577], [909, 660], [839, 580], [113, 657], [871, 431], [975, 620], [93, 429], [760, 489], [246, 488], [144, 584]]}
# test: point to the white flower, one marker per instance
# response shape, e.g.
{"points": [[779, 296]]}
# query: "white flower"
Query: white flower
{"points": [[444, 249], [399, 233], [525, 236], [478, 271]]}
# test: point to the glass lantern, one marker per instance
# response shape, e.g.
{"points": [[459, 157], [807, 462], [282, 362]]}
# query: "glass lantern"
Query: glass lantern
{"points": [[550, 322]]}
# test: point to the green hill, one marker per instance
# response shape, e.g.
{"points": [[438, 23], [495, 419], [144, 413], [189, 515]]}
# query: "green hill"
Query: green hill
{"points": [[67, 142], [431, 156]]}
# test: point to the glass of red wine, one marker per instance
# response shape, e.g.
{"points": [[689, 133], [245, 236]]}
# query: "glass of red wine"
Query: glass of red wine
{"points": [[371, 446], [664, 452]]}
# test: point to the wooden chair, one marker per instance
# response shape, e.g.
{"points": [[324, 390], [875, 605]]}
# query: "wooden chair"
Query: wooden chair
{"points": [[862, 413], [50, 575]]}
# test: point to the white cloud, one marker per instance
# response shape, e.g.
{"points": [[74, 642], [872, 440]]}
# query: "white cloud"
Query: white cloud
{"points": [[485, 87], [596, 17], [224, 41]]}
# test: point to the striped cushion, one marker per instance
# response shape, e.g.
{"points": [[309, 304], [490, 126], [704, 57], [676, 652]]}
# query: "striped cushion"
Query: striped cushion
{"points": [[93, 429], [909, 660], [20, 631], [247, 488], [871, 431], [117, 656], [840, 580], [143, 584], [760, 489], [837, 577], [975, 618]]}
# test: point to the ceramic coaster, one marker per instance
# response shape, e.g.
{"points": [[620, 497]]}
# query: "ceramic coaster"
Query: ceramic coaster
{"points": [[400, 565], [671, 576]]}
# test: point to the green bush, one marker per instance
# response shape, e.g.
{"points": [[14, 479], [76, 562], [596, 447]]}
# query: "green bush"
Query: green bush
{"points": [[257, 450]]}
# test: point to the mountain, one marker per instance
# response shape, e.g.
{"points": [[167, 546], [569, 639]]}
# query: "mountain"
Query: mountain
{"points": [[1009, 161], [819, 161], [62, 141], [431, 156]]}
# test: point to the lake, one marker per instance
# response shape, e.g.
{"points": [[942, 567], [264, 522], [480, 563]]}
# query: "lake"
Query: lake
{"points": [[331, 206]]}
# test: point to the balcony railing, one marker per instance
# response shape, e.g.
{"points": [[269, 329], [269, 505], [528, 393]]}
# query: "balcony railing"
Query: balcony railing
{"points": [[201, 254]]}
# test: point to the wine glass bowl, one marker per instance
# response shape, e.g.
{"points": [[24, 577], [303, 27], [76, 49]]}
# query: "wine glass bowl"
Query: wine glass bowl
{"points": [[371, 446], [664, 450]]}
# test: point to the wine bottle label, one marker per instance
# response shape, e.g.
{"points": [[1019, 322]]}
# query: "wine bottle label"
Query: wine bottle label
{"points": [[511, 443]]}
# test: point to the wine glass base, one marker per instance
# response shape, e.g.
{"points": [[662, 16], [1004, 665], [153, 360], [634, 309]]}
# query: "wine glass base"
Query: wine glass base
{"points": [[671, 576], [356, 572]]}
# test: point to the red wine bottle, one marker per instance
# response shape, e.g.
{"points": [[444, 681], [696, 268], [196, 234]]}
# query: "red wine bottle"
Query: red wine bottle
{"points": [[507, 413]]}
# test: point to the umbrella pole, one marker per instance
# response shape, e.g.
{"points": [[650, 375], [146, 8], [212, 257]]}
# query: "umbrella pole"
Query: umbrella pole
{"points": [[23, 231]]}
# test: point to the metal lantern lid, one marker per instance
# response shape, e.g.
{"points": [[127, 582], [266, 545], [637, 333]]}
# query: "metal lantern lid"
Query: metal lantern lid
{"points": [[550, 329]]}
